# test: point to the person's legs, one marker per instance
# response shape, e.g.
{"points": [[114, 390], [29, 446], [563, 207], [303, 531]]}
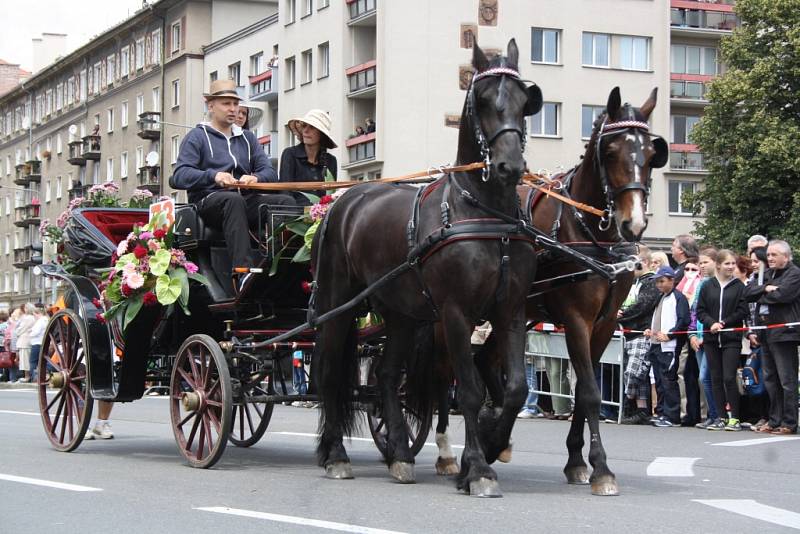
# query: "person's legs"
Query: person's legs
{"points": [[227, 210], [786, 363], [730, 364], [34, 359], [24, 361], [559, 384], [705, 379], [682, 359], [672, 394], [691, 373], [714, 360], [771, 383]]}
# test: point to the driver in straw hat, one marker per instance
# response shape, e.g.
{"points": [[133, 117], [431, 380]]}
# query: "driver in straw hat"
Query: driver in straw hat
{"points": [[219, 153]]}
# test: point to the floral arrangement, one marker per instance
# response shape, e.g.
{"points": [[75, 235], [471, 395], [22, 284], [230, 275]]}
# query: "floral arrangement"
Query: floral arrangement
{"points": [[147, 271]]}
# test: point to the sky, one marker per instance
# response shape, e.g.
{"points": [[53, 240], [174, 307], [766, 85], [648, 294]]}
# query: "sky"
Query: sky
{"points": [[79, 19]]}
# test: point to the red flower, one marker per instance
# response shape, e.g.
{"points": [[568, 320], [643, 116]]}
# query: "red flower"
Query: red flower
{"points": [[126, 290], [140, 252], [149, 299], [327, 199], [96, 302], [100, 317], [159, 234], [114, 257], [306, 286]]}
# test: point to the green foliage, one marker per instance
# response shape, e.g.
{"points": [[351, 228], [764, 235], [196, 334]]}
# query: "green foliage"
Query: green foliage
{"points": [[750, 133], [168, 289]]}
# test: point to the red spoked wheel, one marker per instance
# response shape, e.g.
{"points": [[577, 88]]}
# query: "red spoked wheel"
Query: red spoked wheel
{"points": [[200, 401], [65, 401], [250, 419]]}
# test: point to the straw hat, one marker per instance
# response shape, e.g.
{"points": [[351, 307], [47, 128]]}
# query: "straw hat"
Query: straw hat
{"points": [[222, 89], [318, 119]]}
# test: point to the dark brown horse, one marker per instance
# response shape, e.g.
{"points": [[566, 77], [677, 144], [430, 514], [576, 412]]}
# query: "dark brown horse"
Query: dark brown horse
{"points": [[464, 262], [614, 176]]}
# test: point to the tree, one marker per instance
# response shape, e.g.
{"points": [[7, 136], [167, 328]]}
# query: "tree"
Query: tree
{"points": [[750, 132]]}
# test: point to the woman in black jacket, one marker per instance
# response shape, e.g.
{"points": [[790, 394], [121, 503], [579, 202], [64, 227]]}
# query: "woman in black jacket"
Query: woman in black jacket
{"points": [[309, 160], [721, 305]]}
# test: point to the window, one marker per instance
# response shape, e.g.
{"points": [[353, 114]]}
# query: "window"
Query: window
{"points": [[289, 80], [545, 45], [123, 165], [676, 197], [588, 115], [123, 114], [37, 153], [48, 144], [69, 181], [124, 61], [139, 105], [324, 60], [47, 191], [8, 206], [307, 8], [59, 144], [307, 67], [111, 69], [176, 37], [323, 4], [545, 123], [694, 60], [175, 148], [16, 282], [139, 60], [156, 98], [139, 157], [110, 119], [595, 50], [8, 165], [682, 126], [176, 93], [8, 251], [291, 9], [634, 53], [235, 73], [213, 77], [256, 64], [155, 47], [110, 170], [58, 188]]}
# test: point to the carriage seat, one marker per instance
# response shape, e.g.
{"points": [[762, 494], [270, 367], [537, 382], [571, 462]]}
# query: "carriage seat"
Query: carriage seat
{"points": [[191, 231]]}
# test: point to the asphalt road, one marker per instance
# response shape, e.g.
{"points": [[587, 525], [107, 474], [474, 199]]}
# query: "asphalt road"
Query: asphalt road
{"points": [[672, 480]]}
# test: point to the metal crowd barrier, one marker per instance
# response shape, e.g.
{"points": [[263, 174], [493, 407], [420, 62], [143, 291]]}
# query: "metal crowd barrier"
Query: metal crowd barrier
{"points": [[547, 351]]}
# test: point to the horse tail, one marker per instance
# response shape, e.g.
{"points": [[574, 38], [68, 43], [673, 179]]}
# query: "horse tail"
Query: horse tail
{"points": [[422, 376], [338, 369]]}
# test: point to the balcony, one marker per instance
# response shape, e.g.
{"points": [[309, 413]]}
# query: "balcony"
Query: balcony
{"points": [[78, 190], [362, 12], [32, 213], [26, 257], [692, 22], [688, 92], [361, 149], [685, 157], [91, 147], [21, 176], [34, 169], [150, 179], [76, 153], [149, 124], [264, 87], [20, 214], [362, 80]]}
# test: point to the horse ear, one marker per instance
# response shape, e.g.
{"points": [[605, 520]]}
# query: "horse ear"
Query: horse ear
{"points": [[512, 54], [614, 103], [650, 104], [479, 60], [534, 103]]}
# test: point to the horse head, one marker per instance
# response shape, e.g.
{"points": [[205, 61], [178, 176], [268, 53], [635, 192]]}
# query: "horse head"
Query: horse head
{"points": [[493, 121], [625, 153]]}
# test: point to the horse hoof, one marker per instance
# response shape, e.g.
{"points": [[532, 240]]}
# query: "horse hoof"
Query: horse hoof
{"points": [[402, 472], [446, 466], [605, 488], [505, 454], [577, 475], [484, 487], [339, 471]]}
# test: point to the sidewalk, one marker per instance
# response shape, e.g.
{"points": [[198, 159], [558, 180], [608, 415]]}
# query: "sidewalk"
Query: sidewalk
{"points": [[6, 385]]}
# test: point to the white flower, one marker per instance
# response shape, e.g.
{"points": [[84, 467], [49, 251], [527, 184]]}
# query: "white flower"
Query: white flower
{"points": [[128, 269], [122, 248], [134, 280]]}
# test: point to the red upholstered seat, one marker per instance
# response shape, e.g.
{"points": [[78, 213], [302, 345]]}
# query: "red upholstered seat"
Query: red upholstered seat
{"points": [[116, 225]]}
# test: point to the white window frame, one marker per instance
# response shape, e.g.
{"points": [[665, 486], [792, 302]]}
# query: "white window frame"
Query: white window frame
{"points": [[110, 120], [110, 170], [596, 112], [124, 61], [542, 122], [139, 157], [256, 64], [324, 60], [176, 45], [155, 46], [156, 96], [123, 114], [235, 73], [594, 37], [139, 54], [123, 165], [308, 8], [322, 4], [543, 45], [47, 191], [59, 144], [290, 69], [111, 69], [291, 12], [681, 190], [59, 187], [307, 74], [634, 39], [175, 145], [139, 105], [176, 93]]}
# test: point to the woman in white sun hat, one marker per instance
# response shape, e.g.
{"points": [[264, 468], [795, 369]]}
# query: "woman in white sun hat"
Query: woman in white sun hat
{"points": [[309, 160], [249, 115]]}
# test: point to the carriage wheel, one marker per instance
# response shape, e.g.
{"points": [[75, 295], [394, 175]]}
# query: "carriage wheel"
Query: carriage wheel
{"points": [[200, 401], [250, 419], [65, 401], [416, 427]]}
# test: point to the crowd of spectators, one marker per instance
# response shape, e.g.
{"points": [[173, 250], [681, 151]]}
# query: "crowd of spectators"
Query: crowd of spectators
{"points": [[21, 335]]}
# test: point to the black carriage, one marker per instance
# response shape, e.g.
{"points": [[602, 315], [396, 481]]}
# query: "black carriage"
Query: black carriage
{"points": [[222, 380]]}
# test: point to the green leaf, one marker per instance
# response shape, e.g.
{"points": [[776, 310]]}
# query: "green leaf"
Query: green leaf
{"points": [[309, 237], [303, 255], [197, 277], [133, 307], [314, 199], [159, 262], [167, 289], [125, 259], [181, 275], [298, 227], [113, 291]]}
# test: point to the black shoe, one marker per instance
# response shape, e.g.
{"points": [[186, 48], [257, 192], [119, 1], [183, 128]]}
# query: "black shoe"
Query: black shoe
{"points": [[663, 422], [688, 422], [639, 418]]}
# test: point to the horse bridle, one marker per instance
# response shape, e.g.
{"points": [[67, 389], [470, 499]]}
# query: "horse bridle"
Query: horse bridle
{"points": [[608, 129], [484, 142]]}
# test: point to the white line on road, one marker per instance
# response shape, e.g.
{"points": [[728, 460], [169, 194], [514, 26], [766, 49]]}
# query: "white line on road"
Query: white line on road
{"points": [[369, 440], [47, 483], [756, 510], [19, 413], [342, 527], [671, 466], [758, 441]]}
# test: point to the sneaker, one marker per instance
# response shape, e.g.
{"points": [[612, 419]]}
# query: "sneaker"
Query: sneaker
{"points": [[298, 404], [733, 425], [526, 414], [705, 424], [639, 418], [102, 431], [718, 424], [663, 422]]}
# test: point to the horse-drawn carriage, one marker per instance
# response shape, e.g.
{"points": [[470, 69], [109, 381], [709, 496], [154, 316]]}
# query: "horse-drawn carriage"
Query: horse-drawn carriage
{"points": [[222, 384]]}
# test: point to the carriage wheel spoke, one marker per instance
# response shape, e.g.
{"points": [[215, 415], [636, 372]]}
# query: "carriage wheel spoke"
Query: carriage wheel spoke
{"points": [[214, 403], [381, 423], [203, 366], [190, 439], [54, 399], [207, 425], [258, 410], [215, 420], [64, 418], [188, 380], [72, 408], [60, 357], [77, 378], [75, 365], [213, 389], [77, 391], [186, 419], [201, 439], [192, 365]]}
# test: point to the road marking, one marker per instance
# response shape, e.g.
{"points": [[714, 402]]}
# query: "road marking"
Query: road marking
{"points": [[19, 413], [756, 510], [369, 440], [757, 441], [342, 527], [671, 466], [47, 483]]}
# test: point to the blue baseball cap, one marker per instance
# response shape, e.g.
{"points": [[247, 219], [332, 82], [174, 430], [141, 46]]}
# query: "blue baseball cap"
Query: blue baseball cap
{"points": [[665, 271]]}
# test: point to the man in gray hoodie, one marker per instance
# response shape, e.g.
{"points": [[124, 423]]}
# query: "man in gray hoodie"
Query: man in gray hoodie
{"points": [[216, 155]]}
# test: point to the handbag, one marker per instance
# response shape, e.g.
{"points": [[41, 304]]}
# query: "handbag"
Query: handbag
{"points": [[7, 360]]}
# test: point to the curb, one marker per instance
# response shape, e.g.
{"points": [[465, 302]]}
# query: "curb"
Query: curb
{"points": [[6, 385]]}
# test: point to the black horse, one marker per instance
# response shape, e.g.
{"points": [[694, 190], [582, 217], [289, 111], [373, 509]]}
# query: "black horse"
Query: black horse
{"points": [[466, 260], [614, 176]]}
